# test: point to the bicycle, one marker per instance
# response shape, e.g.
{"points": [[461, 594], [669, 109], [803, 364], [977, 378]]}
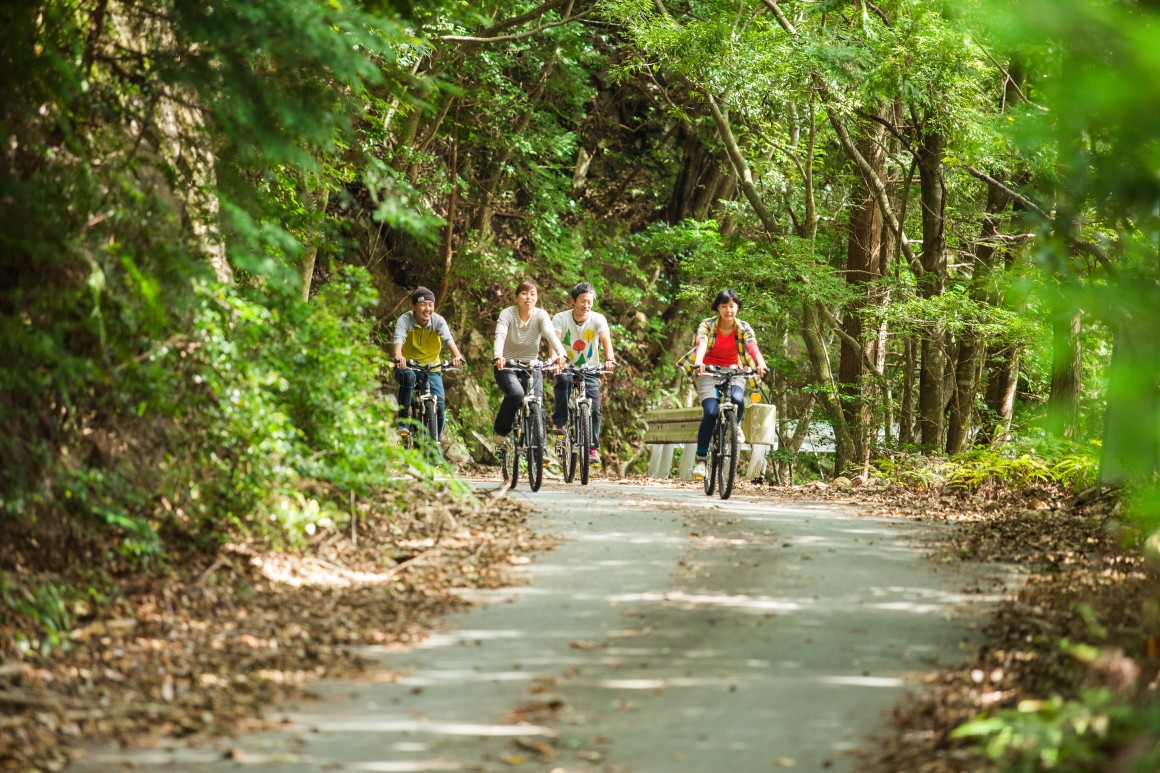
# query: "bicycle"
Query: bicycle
{"points": [[527, 437], [425, 405], [724, 446], [574, 446]]}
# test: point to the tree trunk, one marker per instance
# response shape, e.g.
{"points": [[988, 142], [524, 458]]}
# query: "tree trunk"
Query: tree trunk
{"points": [[972, 347], [932, 283], [321, 200], [1002, 379], [863, 269], [906, 409], [820, 360], [1066, 370]]}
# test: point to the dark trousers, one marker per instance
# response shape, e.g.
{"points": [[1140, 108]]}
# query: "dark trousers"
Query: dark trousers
{"points": [[513, 384], [712, 407], [564, 388], [410, 380]]}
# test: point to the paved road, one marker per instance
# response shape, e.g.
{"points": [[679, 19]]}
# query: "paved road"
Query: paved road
{"points": [[668, 632]]}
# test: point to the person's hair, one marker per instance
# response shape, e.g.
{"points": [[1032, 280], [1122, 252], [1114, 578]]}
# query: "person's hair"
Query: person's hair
{"points": [[725, 296], [581, 288], [525, 286], [422, 294]]}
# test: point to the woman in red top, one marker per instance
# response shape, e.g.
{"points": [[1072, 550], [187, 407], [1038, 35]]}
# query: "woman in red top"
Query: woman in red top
{"points": [[729, 342]]}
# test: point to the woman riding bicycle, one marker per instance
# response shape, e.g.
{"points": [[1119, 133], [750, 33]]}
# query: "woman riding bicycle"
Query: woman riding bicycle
{"points": [[724, 341], [518, 333]]}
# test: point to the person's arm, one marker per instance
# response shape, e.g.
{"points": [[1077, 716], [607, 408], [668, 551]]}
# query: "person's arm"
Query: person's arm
{"points": [[699, 355], [755, 351], [548, 331], [604, 336], [445, 333], [501, 330], [401, 330]]}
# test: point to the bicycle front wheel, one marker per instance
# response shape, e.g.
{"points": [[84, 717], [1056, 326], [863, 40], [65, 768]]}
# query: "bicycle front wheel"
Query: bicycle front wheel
{"points": [[585, 444], [713, 461], [535, 448], [728, 465], [571, 451], [431, 425], [515, 450]]}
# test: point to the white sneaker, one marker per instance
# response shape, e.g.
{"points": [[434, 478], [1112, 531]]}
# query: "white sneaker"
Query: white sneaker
{"points": [[699, 471], [740, 436]]}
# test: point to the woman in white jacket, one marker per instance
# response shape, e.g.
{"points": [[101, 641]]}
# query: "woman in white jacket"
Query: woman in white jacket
{"points": [[518, 333]]}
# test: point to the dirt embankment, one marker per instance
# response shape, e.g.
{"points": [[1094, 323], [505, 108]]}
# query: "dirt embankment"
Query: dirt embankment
{"points": [[206, 644]]}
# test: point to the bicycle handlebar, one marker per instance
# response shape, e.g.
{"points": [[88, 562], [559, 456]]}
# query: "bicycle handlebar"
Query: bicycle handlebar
{"points": [[722, 371], [444, 366], [583, 370], [530, 365]]}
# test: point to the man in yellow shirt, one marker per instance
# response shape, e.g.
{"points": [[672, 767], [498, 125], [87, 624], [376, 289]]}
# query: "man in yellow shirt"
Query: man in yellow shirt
{"points": [[419, 336]]}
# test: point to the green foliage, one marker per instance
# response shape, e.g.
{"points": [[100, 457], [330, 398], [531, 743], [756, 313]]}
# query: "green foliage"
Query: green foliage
{"points": [[1059, 734], [1073, 466]]}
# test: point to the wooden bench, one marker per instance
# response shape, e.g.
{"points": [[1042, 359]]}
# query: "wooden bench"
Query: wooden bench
{"points": [[669, 428]]}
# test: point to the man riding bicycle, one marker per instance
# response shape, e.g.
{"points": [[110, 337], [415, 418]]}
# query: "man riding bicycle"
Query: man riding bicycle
{"points": [[583, 333], [419, 336]]}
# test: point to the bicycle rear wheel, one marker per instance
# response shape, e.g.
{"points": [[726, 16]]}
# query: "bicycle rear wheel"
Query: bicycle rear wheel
{"points": [[585, 444], [534, 437], [728, 464]]}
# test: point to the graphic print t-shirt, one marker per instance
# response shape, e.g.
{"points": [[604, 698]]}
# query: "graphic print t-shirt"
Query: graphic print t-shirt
{"points": [[581, 342]]}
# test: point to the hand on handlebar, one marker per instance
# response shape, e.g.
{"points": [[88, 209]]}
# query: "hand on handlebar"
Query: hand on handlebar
{"points": [[700, 366], [558, 364], [456, 361], [609, 364], [500, 362], [401, 363]]}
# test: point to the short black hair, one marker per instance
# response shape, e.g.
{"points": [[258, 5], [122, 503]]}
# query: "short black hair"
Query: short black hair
{"points": [[422, 294], [725, 296], [581, 288]]}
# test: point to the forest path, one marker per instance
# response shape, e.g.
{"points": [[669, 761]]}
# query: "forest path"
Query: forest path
{"points": [[668, 631]]}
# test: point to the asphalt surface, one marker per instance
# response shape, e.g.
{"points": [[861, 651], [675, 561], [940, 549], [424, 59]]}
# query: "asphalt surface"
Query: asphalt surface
{"points": [[667, 632]]}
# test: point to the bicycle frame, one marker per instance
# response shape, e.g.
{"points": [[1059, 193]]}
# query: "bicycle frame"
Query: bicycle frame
{"points": [[573, 448], [528, 430], [426, 402], [724, 449]]}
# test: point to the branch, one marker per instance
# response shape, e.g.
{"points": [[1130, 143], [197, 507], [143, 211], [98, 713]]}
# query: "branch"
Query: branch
{"points": [[1010, 80], [1023, 200], [888, 125], [849, 339], [741, 167], [781, 18], [517, 36], [879, 190], [516, 21]]}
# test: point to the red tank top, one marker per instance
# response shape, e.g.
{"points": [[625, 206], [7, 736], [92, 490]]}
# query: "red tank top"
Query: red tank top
{"points": [[724, 350]]}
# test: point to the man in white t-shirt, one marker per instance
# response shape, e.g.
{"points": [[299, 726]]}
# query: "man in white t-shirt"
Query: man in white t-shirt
{"points": [[584, 333]]}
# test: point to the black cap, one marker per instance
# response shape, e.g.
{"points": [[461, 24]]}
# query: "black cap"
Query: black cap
{"points": [[422, 294]]}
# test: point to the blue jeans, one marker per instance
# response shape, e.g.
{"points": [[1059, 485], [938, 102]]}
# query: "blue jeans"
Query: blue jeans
{"points": [[712, 407], [410, 380], [564, 388]]}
